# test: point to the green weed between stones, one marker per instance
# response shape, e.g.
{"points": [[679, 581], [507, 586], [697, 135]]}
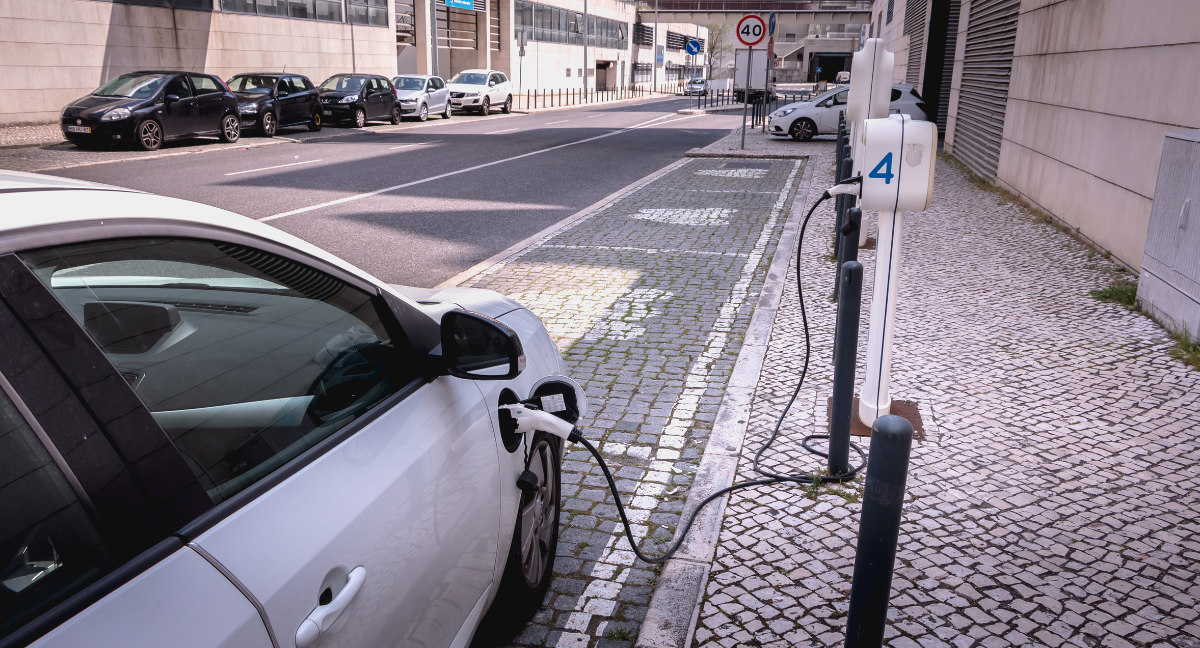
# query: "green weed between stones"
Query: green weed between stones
{"points": [[1186, 350], [1120, 291], [619, 634]]}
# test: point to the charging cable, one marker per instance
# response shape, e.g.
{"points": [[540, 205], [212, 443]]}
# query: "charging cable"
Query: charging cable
{"points": [[529, 418]]}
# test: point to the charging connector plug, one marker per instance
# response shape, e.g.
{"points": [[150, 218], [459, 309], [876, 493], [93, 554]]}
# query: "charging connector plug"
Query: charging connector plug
{"points": [[845, 187], [531, 420]]}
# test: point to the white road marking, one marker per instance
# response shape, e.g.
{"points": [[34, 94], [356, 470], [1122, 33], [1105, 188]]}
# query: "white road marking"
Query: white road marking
{"points": [[738, 191], [561, 121], [749, 174], [414, 183], [278, 166], [506, 130], [702, 216], [415, 144]]}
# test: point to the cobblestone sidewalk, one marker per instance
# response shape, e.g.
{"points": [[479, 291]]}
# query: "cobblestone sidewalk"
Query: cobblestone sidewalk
{"points": [[1055, 499]]}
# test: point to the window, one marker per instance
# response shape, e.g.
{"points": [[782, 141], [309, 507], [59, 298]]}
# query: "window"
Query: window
{"points": [[330, 10], [244, 358], [368, 12], [50, 547], [300, 84], [891, 6], [179, 87], [205, 84]]}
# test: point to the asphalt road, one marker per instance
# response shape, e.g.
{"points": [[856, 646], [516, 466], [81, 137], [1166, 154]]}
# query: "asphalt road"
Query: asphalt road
{"points": [[417, 206]]}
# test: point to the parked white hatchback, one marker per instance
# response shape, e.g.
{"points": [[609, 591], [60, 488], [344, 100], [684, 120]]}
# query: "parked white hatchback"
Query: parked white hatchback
{"points": [[481, 90], [819, 116], [216, 434]]}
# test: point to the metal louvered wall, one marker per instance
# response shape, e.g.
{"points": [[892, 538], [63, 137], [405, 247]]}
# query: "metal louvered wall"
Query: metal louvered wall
{"points": [[948, 68], [494, 26], [987, 66], [914, 28]]}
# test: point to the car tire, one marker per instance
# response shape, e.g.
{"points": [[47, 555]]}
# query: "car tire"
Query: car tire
{"points": [[802, 130], [485, 108], [314, 122], [530, 565], [507, 107], [149, 135], [395, 115], [446, 115], [360, 118], [231, 128], [268, 124], [423, 112]]}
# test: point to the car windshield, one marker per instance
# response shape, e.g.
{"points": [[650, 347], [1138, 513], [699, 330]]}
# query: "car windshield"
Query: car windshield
{"points": [[470, 78], [408, 83], [134, 86], [252, 84], [343, 84]]}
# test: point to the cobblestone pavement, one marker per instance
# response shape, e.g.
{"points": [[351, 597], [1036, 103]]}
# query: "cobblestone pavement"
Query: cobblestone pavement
{"points": [[1055, 498], [648, 297]]}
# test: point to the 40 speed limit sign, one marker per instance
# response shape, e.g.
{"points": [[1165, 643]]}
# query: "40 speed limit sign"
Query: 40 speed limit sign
{"points": [[751, 30]]}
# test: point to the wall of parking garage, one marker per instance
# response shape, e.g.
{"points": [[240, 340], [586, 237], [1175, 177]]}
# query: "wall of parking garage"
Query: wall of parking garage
{"points": [[54, 51]]}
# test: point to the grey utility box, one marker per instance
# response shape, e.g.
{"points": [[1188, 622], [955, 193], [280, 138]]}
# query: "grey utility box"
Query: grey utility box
{"points": [[1169, 285]]}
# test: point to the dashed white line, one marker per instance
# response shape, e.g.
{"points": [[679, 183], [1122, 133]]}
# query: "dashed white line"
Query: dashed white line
{"points": [[402, 146], [561, 121], [277, 166], [506, 130]]}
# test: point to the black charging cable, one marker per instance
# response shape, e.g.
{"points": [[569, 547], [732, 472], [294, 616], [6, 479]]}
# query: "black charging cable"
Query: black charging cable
{"points": [[769, 477]]}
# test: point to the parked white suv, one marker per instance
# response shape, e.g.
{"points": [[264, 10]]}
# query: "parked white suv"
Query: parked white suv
{"points": [[480, 90], [819, 115]]}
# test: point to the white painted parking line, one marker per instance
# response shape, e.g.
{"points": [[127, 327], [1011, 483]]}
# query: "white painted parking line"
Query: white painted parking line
{"points": [[561, 121], [277, 166], [506, 130], [657, 121], [415, 144]]}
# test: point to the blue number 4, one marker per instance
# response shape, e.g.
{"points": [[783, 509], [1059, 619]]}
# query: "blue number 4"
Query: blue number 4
{"points": [[886, 165]]}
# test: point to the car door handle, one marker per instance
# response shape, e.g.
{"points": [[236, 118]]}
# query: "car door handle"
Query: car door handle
{"points": [[323, 616]]}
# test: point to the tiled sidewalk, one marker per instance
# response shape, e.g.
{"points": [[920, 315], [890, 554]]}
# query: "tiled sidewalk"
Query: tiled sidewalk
{"points": [[1056, 498]]}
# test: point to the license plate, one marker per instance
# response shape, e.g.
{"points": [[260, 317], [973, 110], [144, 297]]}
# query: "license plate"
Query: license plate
{"points": [[79, 129], [328, 113]]}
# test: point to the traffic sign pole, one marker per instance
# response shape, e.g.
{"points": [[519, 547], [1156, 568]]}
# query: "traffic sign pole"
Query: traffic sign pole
{"points": [[746, 93], [750, 35]]}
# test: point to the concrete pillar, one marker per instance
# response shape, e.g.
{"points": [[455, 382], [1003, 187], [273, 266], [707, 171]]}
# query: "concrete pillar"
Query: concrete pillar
{"points": [[483, 51], [423, 19], [506, 60]]}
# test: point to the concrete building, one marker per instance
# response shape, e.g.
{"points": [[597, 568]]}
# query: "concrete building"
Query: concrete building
{"points": [[53, 51], [1066, 103]]}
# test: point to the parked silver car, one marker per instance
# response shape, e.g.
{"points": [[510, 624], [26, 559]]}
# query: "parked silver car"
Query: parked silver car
{"points": [[819, 116], [696, 87], [420, 95]]}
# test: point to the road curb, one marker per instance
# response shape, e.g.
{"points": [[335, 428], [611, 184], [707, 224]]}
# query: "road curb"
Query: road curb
{"points": [[679, 590]]}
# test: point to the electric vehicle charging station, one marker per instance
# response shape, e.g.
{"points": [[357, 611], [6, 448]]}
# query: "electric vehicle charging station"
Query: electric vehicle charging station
{"points": [[870, 98]]}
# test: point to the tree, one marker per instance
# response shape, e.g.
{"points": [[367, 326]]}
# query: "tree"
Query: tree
{"points": [[717, 45]]}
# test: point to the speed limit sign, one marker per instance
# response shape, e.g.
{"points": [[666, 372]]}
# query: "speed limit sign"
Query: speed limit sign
{"points": [[750, 30]]}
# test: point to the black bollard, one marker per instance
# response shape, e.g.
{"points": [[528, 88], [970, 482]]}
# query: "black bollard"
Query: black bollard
{"points": [[878, 531], [841, 204], [845, 354]]}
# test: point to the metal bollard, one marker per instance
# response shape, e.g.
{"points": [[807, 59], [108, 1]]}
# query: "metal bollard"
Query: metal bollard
{"points": [[841, 204], [878, 531], [845, 354]]}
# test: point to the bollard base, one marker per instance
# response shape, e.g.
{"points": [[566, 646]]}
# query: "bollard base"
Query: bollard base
{"points": [[906, 410], [869, 245]]}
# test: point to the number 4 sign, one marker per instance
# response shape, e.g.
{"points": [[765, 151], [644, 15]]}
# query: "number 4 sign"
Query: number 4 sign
{"points": [[751, 29]]}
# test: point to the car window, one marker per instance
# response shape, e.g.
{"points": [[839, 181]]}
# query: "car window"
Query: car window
{"points": [[408, 83], [50, 547], [914, 93], [895, 94], [300, 84], [470, 78], [134, 86], [285, 85], [840, 97], [343, 84], [437, 83], [205, 84], [252, 84], [384, 84], [500, 78], [178, 86], [244, 358]]}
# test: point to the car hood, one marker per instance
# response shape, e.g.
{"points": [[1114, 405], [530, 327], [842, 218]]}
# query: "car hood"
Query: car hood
{"points": [[93, 106], [408, 94], [335, 94], [477, 300], [246, 97], [466, 87]]}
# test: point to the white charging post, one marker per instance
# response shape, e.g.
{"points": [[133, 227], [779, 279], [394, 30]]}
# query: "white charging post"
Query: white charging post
{"points": [[870, 98], [898, 157]]}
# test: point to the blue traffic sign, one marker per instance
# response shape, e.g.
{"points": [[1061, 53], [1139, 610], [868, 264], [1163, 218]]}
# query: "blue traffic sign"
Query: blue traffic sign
{"points": [[693, 47], [771, 24], [461, 4]]}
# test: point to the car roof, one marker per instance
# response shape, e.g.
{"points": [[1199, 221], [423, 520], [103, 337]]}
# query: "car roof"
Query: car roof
{"points": [[271, 74], [414, 76], [478, 70]]}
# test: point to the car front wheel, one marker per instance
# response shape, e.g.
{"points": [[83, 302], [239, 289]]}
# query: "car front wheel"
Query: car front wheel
{"points": [[485, 108], [149, 135], [530, 565], [802, 130], [231, 128], [423, 112], [268, 125]]}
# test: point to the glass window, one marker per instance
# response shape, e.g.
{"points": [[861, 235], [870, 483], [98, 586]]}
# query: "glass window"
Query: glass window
{"points": [[330, 10], [239, 6], [271, 7], [205, 84], [300, 84], [252, 84], [134, 86], [302, 8], [50, 547], [178, 86], [244, 358]]}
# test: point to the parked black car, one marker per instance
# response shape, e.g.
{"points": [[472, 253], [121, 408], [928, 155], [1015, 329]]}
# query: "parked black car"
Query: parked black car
{"points": [[268, 101], [359, 98], [145, 109]]}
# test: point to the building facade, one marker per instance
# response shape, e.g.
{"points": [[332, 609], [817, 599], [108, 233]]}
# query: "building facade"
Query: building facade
{"points": [[1066, 103], [54, 51]]}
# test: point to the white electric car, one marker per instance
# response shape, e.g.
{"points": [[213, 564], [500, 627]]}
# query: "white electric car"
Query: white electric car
{"points": [[481, 90], [215, 434], [819, 116]]}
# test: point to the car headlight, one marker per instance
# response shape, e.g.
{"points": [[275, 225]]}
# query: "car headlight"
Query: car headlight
{"points": [[470, 94], [409, 100], [248, 109], [782, 112], [116, 114], [349, 99]]}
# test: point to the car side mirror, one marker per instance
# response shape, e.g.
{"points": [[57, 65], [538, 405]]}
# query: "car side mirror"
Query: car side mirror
{"points": [[491, 84], [171, 98], [480, 348], [281, 93]]}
